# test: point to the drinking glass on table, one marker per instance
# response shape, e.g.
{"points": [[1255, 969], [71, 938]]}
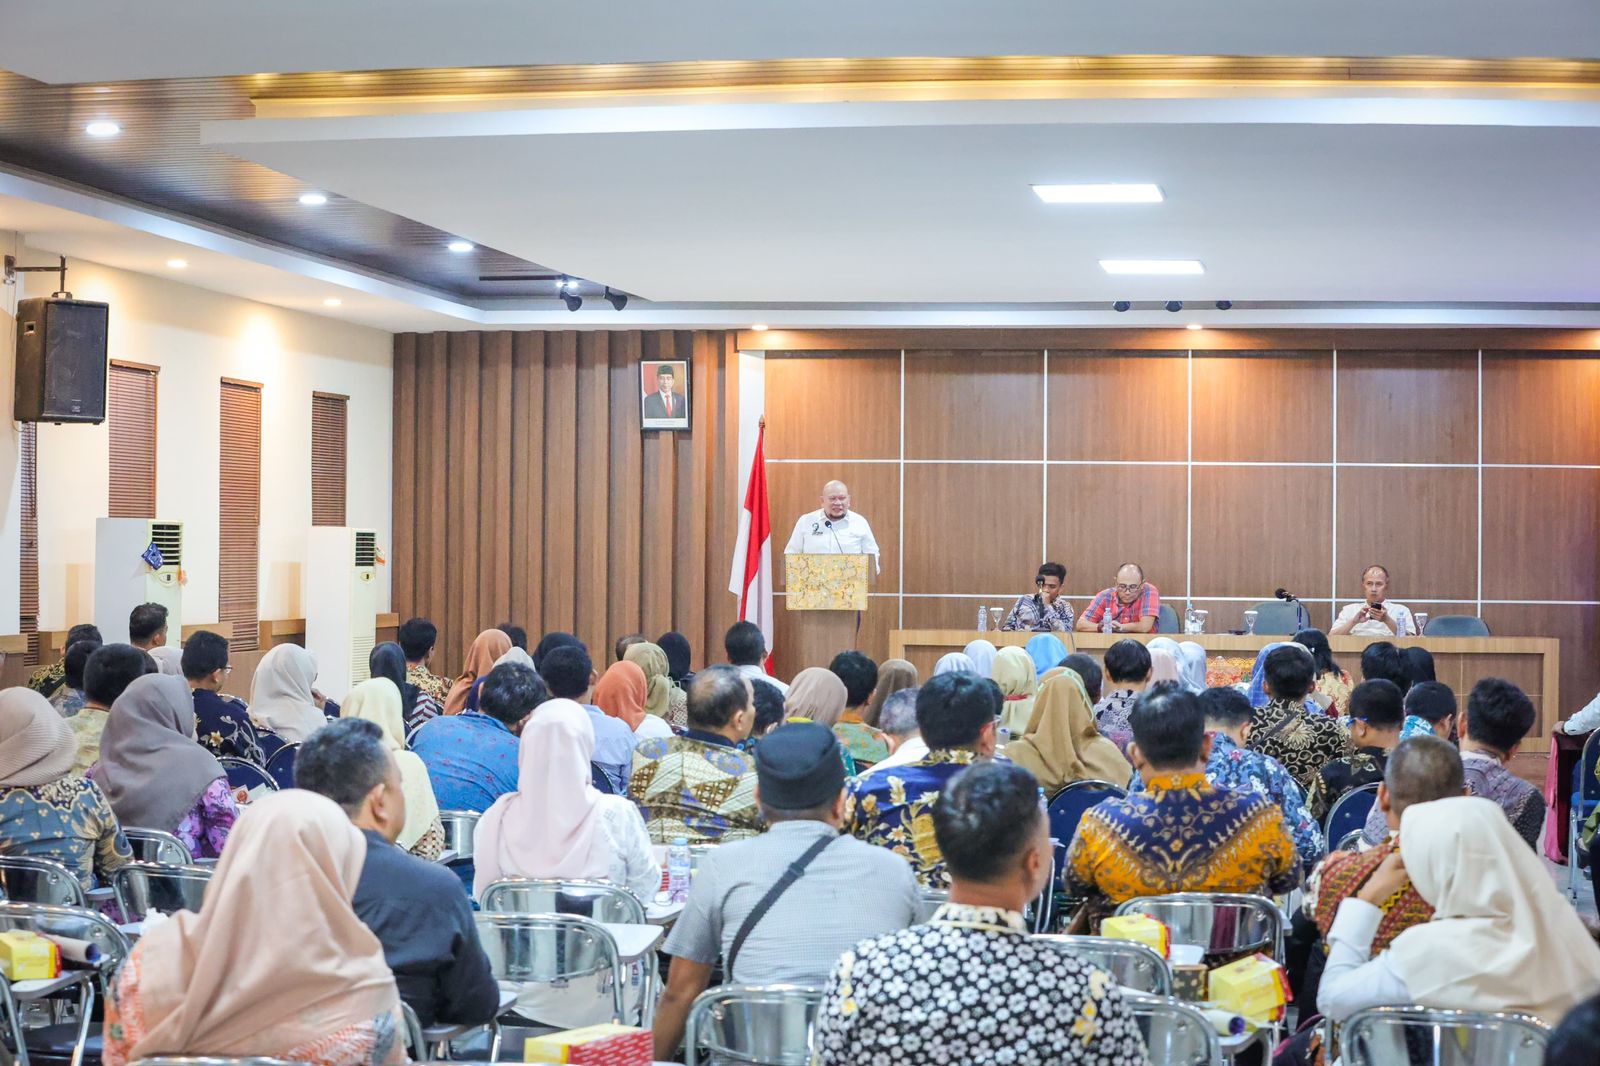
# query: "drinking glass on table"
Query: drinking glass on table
{"points": [[996, 616], [1250, 622], [1421, 618]]}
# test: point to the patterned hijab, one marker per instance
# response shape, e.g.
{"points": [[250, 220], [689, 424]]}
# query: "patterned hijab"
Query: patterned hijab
{"points": [[818, 694], [486, 648], [982, 654], [1062, 744], [36, 744], [150, 767], [653, 661], [1013, 672], [893, 675], [1046, 652]]}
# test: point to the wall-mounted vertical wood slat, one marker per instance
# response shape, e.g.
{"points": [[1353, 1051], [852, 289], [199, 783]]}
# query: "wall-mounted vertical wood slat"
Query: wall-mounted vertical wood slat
{"points": [[560, 481], [527, 478], [689, 572], [403, 546], [591, 506], [658, 502], [239, 512], [330, 428], [494, 543], [434, 410], [28, 464], [625, 479], [131, 425]]}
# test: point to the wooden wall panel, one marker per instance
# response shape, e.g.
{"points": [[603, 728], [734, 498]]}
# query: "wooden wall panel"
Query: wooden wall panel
{"points": [[813, 638], [1125, 406], [795, 488], [1541, 409], [527, 478], [1147, 524], [974, 405], [1419, 523], [1539, 534], [1263, 407], [1263, 526], [403, 547], [659, 504], [1410, 407], [592, 498], [626, 488], [826, 405], [977, 527], [495, 539], [466, 370], [1578, 629], [560, 481]]}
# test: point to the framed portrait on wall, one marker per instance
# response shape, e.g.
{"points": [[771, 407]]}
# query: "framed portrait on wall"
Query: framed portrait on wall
{"points": [[665, 387]]}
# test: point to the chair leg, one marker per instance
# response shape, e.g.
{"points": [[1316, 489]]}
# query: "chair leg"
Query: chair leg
{"points": [[494, 1040], [1572, 859], [86, 1007]]}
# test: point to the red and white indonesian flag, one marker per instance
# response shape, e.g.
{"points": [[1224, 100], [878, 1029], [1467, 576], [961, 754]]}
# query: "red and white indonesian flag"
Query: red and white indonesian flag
{"points": [[752, 556]]}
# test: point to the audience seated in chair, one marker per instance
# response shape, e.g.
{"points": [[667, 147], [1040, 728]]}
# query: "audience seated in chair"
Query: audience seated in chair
{"points": [[1060, 743], [377, 700], [388, 660], [817, 695], [1088, 668], [747, 651], [1182, 834], [1431, 709], [110, 670], [956, 715], [275, 964], [663, 700], [283, 694], [1502, 937], [485, 652], [1332, 684], [70, 696], [569, 674], [1377, 710], [47, 811], [700, 786], [893, 676], [1127, 666], [416, 909], [46, 679], [1382, 660], [971, 986], [472, 757], [768, 702], [417, 638], [1303, 740], [897, 720], [849, 890], [864, 743], [622, 694], [154, 773], [1018, 679], [222, 723]]}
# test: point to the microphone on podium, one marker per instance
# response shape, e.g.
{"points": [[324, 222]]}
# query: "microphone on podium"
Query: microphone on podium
{"points": [[829, 523]]}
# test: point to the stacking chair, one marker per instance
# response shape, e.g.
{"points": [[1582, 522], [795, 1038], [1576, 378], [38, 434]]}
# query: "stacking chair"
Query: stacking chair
{"points": [[1067, 806], [159, 846], [754, 1025], [1585, 797], [1224, 923], [458, 830], [1457, 625], [280, 765], [1175, 1032], [1349, 841], [208, 1060], [1277, 618], [588, 899], [246, 774], [1131, 965], [271, 744], [1350, 811], [26, 879], [65, 1043], [552, 949], [142, 887], [1379, 1036], [432, 1043], [1167, 620]]}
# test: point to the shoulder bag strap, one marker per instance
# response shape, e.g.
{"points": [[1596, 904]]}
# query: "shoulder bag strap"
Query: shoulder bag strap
{"points": [[790, 876]]}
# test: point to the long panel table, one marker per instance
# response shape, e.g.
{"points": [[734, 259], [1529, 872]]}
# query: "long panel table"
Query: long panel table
{"points": [[1533, 663]]}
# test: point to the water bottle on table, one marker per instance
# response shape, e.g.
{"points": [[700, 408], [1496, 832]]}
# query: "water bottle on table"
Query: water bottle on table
{"points": [[983, 620], [678, 870]]}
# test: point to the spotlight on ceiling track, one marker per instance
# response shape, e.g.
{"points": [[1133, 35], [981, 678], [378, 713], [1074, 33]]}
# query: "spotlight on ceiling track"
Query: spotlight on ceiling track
{"points": [[1223, 305], [617, 300], [569, 294], [1174, 306], [1121, 305]]}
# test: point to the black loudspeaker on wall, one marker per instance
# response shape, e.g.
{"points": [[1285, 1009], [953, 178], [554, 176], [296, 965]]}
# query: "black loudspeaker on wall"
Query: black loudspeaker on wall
{"points": [[61, 360]]}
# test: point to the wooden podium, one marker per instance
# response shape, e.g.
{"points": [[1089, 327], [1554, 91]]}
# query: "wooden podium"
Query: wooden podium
{"points": [[825, 582]]}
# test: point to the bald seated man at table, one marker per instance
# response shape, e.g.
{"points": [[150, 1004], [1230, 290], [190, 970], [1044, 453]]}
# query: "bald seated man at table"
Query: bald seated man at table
{"points": [[1375, 615], [1134, 603], [833, 529]]}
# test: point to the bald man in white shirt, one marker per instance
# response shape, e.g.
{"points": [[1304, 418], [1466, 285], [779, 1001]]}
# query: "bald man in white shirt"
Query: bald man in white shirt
{"points": [[833, 529]]}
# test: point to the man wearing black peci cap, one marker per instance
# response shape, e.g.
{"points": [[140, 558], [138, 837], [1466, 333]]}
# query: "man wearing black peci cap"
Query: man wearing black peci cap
{"points": [[747, 906]]}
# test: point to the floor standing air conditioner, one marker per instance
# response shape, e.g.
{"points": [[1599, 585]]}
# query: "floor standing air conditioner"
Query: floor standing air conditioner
{"points": [[136, 560], [341, 598]]}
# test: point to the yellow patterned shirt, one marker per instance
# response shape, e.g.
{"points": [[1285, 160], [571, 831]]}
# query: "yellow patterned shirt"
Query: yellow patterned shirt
{"points": [[893, 808], [1181, 835], [697, 786], [430, 683]]}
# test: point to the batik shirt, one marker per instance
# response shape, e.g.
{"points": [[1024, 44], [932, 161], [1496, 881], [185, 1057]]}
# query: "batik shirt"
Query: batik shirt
{"points": [[1364, 767], [1111, 717], [1302, 742], [430, 683], [1028, 615], [67, 821], [864, 744], [1181, 835], [222, 726], [894, 809], [972, 987], [697, 786], [47, 679], [68, 701], [1487, 777], [1244, 770]]}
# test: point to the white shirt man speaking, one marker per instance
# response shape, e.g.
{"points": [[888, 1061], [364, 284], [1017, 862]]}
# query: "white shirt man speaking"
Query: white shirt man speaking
{"points": [[833, 529]]}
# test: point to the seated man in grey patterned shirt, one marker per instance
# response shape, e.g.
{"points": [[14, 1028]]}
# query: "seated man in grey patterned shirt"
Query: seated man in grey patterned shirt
{"points": [[849, 890]]}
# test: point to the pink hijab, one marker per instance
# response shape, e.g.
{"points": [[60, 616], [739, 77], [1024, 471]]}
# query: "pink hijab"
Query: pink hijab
{"points": [[550, 826], [1163, 666]]}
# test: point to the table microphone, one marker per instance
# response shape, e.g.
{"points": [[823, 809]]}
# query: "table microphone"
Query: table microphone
{"points": [[1285, 594]]}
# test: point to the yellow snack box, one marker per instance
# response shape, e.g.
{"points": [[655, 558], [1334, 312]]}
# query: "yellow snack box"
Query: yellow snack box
{"points": [[27, 956], [1255, 987], [1151, 932], [594, 1045]]}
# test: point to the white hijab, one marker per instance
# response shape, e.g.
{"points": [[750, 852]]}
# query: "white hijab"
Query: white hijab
{"points": [[982, 654], [280, 693], [1502, 937]]}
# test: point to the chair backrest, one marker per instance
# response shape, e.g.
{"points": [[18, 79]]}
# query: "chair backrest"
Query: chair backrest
{"points": [[933, 898], [280, 765], [601, 782], [1382, 1035], [544, 949], [1167, 620], [411, 734], [458, 830], [27, 879], [1223, 923], [158, 846], [760, 1025], [1585, 786], [1349, 841], [208, 1060], [1457, 625], [416, 1045], [75, 923], [270, 743], [1350, 811], [242, 773], [1067, 806], [1276, 618], [588, 899], [1175, 1033], [1130, 964], [142, 887]]}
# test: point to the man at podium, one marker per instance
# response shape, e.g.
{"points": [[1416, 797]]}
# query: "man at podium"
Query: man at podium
{"points": [[833, 529]]}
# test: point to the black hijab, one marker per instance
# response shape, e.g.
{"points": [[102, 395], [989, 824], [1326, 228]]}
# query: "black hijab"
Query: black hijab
{"points": [[676, 645], [550, 642], [389, 660]]}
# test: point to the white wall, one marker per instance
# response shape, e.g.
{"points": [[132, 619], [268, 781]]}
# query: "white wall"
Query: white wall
{"points": [[197, 338]]}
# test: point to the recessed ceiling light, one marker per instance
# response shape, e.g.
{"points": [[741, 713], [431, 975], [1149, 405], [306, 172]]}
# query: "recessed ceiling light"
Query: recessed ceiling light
{"points": [[102, 88], [1152, 266], [332, 301], [459, 246], [1104, 193], [1194, 325], [760, 327], [313, 199], [177, 264], [102, 129]]}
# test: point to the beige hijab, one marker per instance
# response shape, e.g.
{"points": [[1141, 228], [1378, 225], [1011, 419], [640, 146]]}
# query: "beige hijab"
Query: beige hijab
{"points": [[280, 693], [818, 694], [1502, 937], [36, 744], [276, 958], [378, 701], [487, 647], [893, 675], [1014, 673], [653, 661], [1061, 744]]}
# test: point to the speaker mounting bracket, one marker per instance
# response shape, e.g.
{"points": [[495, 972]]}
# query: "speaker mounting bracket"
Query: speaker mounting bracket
{"points": [[12, 270]]}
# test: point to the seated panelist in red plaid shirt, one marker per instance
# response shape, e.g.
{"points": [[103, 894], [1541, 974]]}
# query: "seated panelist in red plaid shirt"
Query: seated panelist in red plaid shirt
{"points": [[1134, 604]]}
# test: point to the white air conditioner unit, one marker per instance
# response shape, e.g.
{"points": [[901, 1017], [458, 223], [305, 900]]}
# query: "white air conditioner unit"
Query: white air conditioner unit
{"points": [[124, 578], [341, 602]]}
